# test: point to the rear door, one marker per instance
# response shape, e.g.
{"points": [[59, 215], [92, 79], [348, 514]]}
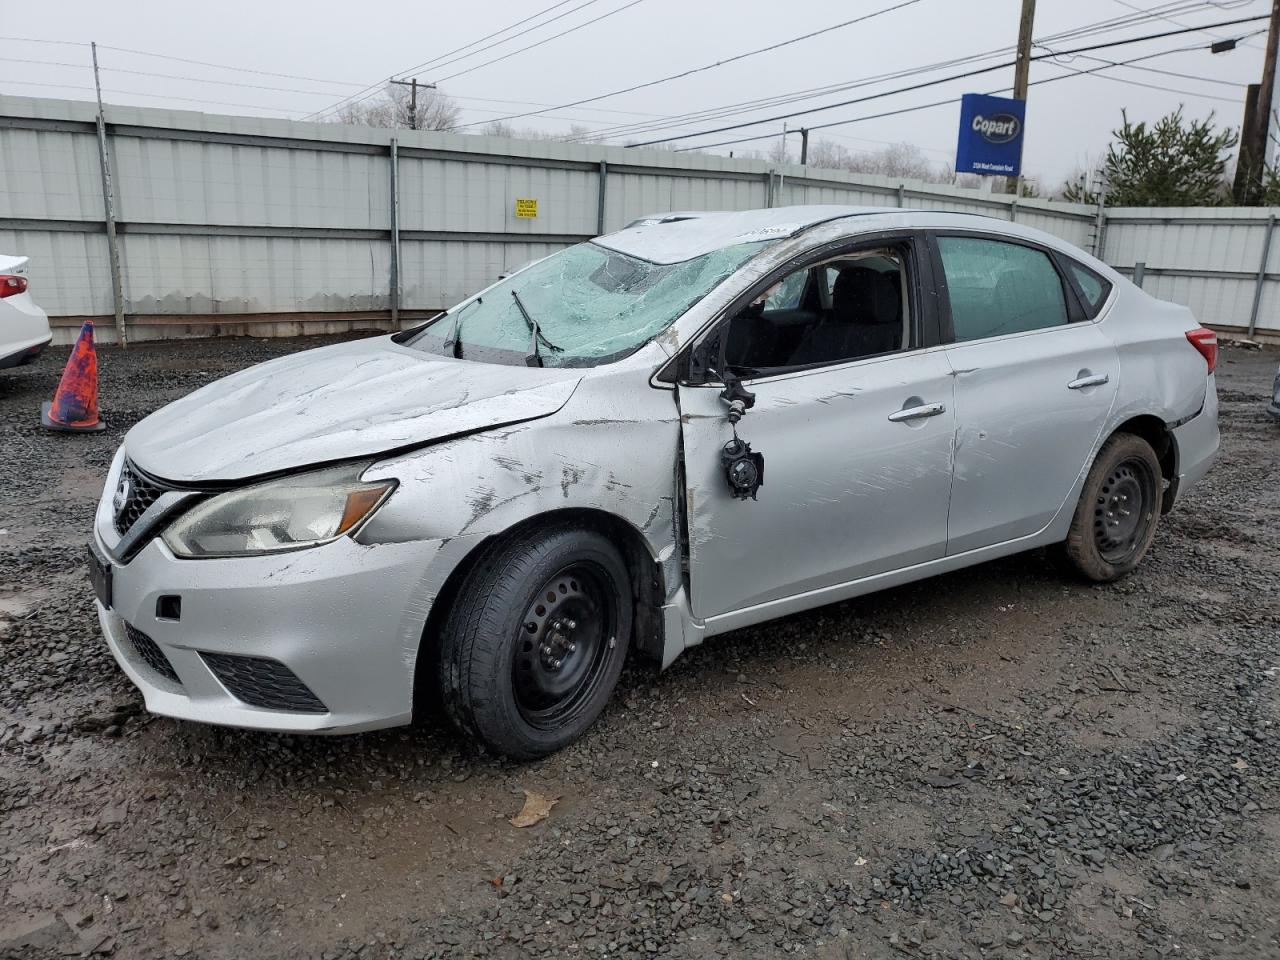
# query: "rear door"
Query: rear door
{"points": [[1035, 380]]}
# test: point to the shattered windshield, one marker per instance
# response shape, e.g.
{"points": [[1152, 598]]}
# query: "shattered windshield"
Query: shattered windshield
{"points": [[591, 305]]}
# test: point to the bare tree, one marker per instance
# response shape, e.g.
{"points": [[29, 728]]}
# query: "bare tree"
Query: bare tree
{"points": [[828, 155], [577, 132], [392, 108], [900, 160]]}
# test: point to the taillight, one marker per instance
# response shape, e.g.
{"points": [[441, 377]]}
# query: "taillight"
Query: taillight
{"points": [[11, 286], [1206, 341]]}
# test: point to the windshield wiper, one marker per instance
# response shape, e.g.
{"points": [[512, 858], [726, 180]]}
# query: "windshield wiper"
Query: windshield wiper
{"points": [[533, 358], [451, 342]]}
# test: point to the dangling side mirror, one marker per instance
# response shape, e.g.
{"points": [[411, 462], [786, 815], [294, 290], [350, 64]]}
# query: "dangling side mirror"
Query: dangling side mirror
{"points": [[738, 398]]}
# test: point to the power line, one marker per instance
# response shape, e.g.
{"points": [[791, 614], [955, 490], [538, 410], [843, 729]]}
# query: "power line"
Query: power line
{"points": [[489, 36], [1173, 73], [1106, 64], [378, 85], [165, 56], [1159, 12], [169, 76], [60, 43], [687, 119], [941, 103], [374, 88], [712, 66], [535, 103], [554, 36], [436, 64], [157, 96], [747, 106], [224, 66], [1169, 19], [932, 83]]}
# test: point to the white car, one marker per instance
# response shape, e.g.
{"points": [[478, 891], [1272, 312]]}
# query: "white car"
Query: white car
{"points": [[24, 327]]}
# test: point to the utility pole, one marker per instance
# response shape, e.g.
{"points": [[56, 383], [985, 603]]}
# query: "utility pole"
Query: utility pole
{"points": [[413, 97], [1257, 122], [1248, 136], [1022, 72], [804, 146], [108, 200]]}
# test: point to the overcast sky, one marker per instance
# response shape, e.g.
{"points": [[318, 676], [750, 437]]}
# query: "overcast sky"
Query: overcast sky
{"points": [[322, 51]]}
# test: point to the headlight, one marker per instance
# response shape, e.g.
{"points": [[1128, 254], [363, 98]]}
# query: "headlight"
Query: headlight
{"points": [[305, 510]]}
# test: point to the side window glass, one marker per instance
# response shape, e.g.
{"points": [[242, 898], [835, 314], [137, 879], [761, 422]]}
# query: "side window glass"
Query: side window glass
{"points": [[997, 288], [1096, 289], [786, 295], [786, 328]]}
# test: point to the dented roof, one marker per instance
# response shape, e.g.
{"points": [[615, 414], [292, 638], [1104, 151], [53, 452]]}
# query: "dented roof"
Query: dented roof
{"points": [[702, 233]]}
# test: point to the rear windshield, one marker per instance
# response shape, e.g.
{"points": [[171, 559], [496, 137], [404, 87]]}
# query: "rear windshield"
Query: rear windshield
{"points": [[592, 305]]}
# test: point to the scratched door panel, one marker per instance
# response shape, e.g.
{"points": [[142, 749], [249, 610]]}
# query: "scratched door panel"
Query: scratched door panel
{"points": [[847, 493], [1023, 436]]}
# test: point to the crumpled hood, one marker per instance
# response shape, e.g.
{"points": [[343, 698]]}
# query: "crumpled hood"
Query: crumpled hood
{"points": [[347, 400]]}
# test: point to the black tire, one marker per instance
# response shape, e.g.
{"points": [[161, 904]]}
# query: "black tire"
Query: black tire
{"points": [[1119, 509], [560, 589]]}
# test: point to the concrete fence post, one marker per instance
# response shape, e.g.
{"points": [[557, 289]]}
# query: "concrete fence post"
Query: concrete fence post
{"points": [[393, 152], [1262, 274], [1139, 273]]}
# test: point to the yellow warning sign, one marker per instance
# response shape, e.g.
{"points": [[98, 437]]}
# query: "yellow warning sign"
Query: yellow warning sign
{"points": [[527, 208]]}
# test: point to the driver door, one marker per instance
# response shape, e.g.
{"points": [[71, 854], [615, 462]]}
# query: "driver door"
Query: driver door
{"points": [[857, 449]]}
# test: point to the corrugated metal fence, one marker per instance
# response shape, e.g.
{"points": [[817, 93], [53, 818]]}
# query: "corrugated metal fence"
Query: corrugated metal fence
{"points": [[233, 224], [1222, 262]]}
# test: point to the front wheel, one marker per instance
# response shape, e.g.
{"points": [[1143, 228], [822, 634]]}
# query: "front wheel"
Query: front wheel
{"points": [[534, 645], [1119, 508]]}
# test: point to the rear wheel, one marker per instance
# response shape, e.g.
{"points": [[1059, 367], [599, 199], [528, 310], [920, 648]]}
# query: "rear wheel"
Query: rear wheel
{"points": [[1115, 520], [536, 640]]}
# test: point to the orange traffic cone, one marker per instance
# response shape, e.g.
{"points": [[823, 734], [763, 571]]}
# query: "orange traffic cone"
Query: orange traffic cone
{"points": [[75, 403]]}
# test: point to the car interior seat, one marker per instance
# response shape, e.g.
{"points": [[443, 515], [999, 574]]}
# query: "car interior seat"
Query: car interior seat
{"points": [[866, 319]]}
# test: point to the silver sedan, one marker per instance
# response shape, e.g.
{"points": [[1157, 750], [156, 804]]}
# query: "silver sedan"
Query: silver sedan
{"points": [[673, 431]]}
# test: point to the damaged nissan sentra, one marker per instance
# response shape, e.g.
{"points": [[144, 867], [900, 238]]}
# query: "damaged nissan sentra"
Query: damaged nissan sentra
{"points": [[634, 444]]}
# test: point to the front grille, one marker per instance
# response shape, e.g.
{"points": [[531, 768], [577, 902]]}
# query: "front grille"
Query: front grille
{"points": [[150, 653], [264, 683], [134, 493]]}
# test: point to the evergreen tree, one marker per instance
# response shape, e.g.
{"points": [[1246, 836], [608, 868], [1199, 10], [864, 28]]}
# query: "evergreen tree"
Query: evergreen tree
{"points": [[1173, 163]]}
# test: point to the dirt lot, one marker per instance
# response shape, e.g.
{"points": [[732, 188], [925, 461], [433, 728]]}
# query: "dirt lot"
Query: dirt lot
{"points": [[999, 762]]}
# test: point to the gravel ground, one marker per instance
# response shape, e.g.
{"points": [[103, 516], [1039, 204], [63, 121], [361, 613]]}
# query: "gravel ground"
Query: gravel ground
{"points": [[994, 763]]}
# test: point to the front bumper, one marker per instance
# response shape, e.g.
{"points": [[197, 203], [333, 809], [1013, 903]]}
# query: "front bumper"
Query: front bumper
{"points": [[345, 619]]}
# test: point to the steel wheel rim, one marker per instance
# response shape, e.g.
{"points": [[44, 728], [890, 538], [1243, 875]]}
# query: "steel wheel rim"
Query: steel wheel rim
{"points": [[1121, 510], [564, 641]]}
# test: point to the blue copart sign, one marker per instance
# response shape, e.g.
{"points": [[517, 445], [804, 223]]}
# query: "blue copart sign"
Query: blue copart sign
{"points": [[990, 135]]}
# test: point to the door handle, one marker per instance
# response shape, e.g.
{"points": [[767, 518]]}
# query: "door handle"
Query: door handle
{"points": [[1097, 380], [917, 413]]}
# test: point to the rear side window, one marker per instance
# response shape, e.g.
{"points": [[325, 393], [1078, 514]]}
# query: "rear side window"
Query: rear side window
{"points": [[1093, 288], [998, 288]]}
